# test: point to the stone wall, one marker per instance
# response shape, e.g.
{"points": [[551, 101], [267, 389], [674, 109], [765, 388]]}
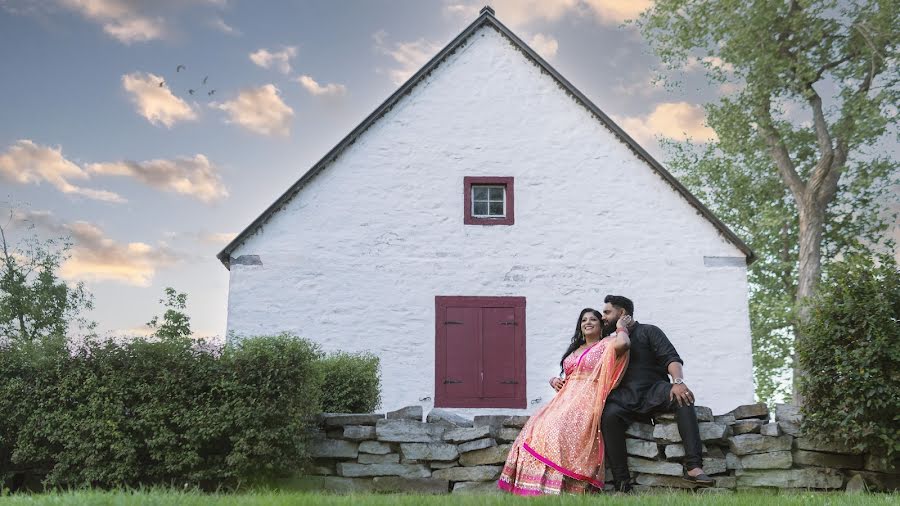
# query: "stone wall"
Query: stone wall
{"points": [[449, 453]]}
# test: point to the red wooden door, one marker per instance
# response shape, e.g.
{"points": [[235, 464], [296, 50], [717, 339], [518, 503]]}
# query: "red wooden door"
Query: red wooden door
{"points": [[480, 352]]}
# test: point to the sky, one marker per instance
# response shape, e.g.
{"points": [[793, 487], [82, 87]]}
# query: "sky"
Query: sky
{"points": [[151, 133]]}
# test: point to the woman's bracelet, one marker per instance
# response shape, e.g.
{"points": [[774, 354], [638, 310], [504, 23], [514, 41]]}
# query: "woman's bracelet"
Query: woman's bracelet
{"points": [[625, 330]]}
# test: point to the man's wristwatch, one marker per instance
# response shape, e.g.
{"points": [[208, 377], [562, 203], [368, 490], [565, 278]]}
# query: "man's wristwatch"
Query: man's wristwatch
{"points": [[677, 381]]}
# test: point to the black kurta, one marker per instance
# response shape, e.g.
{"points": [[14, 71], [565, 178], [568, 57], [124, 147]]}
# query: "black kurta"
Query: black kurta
{"points": [[645, 387]]}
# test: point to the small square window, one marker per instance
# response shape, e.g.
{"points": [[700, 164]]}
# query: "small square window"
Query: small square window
{"points": [[488, 200]]}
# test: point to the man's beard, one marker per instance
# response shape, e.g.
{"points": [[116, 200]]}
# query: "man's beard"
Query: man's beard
{"points": [[608, 328]]}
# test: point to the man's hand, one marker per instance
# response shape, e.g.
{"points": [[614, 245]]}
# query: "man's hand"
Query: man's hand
{"points": [[682, 394], [557, 383]]}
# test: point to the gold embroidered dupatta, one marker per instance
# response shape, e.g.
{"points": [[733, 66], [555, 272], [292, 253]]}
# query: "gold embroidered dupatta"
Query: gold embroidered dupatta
{"points": [[565, 434]]}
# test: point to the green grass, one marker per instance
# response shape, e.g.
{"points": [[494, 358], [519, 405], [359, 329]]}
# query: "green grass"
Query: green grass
{"points": [[303, 499]]}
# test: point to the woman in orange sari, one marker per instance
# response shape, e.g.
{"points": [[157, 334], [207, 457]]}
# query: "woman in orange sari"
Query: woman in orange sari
{"points": [[560, 449]]}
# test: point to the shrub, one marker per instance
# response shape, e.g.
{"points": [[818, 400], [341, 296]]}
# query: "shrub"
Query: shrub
{"points": [[351, 383], [851, 354], [157, 412]]}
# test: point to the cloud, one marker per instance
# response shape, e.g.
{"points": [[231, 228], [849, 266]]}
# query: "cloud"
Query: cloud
{"points": [[616, 11], [643, 83], [218, 237], [130, 21], [97, 257], [673, 120], [317, 89], [219, 24], [195, 177], [154, 102], [708, 62], [409, 57], [121, 19], [259, 110], [280, 60], [545, 45], [518, 13], [28, 163]]}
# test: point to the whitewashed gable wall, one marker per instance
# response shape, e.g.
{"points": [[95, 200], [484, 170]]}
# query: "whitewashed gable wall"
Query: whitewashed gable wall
{"points": [[355, 260]]}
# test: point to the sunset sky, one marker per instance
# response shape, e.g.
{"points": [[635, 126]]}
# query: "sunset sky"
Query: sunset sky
{"points": [[101, 139]]}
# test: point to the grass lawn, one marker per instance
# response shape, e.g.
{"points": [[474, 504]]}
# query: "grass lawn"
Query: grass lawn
{"points": [[302, 499]]}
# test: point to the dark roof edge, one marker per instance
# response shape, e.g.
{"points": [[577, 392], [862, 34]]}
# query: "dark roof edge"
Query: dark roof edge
{"points": [[486, 17]]}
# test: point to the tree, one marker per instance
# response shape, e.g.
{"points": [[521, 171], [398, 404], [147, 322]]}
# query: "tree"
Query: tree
{"points": [[34, 303], [175, 323], [819, 177]]}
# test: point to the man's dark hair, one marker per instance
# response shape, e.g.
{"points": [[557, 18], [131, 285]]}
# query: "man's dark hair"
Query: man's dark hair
{"points": [[621, 303]]}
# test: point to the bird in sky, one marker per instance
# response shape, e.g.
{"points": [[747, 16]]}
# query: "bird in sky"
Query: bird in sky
{"points": [[179, 68], [204, 80], [162, 83], [191, 92], [211, 92]]}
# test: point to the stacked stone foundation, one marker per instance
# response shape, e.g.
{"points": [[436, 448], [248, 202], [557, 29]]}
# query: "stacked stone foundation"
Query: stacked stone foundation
{"points": [[402, 451]]}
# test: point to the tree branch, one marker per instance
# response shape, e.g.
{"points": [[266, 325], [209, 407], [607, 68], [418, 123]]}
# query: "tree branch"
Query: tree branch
{"points": [[779, 151], [824, 165], [847, 122]]}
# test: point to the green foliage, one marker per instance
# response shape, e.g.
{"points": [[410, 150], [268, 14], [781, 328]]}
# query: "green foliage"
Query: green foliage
{"points": [[801, 138], [171, 411], [175, 321], [351, 383], [851, 347], [34, 303]]}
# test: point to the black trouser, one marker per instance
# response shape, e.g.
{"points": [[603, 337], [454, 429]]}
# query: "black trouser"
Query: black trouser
{"points": [[615, 421]]}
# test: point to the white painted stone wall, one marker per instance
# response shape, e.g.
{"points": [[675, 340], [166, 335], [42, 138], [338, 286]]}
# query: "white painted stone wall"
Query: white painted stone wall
{"points": [[355, 260]]}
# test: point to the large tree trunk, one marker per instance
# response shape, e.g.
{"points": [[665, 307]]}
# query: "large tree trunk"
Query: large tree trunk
{"points": [[812, 228]]}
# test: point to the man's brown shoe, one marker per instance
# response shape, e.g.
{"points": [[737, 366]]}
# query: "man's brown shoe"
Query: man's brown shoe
{"points": [[701, 480]]}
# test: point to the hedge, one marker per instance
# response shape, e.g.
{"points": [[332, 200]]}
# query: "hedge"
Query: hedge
{"points": [[850, 352], [169, 412], [351, 383]]}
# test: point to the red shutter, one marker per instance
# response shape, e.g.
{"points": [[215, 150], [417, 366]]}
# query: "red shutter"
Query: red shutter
{"points": [[462, 377], [498, 344], [480, 352]]}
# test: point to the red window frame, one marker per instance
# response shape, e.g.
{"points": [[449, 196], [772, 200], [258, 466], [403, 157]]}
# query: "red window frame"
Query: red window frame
{"points": [[506, 182], [441, 397]]}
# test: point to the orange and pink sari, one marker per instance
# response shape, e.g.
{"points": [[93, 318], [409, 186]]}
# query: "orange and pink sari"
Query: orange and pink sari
{"points": [[560, 449]]}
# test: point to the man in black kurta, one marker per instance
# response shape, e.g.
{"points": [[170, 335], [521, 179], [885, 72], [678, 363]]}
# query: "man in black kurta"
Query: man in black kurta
{"points": [[645, 392]]}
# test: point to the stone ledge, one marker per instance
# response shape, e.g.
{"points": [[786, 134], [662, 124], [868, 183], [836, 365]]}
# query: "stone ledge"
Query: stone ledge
{"points": [[438, 456]]}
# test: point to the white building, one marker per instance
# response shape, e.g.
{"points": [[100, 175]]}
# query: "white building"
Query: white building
{"points": [[460, 228]]}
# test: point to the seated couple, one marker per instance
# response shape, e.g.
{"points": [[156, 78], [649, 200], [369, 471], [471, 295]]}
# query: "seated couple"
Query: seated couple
{"points": [[609, 383]]}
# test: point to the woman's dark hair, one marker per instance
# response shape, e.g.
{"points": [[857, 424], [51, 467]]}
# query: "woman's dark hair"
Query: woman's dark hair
{"points": [[621, 303], [578, 338]]}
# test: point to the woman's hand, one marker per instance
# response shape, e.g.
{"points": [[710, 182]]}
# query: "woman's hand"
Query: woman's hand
{"points": [[557, 383], [625, 321]]}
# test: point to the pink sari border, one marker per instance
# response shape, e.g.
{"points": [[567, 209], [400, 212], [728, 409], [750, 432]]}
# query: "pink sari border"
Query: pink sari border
{"points": [[567, 472], [585, 352], [509, 487]]}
